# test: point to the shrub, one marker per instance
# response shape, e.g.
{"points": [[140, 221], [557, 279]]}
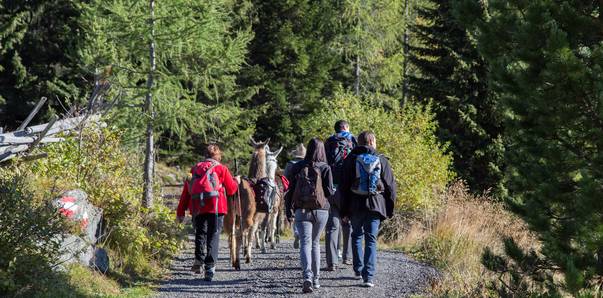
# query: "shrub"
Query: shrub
{"points": [[405, 136], [30, 237], [137, 239]]}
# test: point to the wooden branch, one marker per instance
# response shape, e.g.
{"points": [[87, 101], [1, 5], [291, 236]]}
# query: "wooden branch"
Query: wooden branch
{"points": [[44, 132], [32, 113], [10, 140], [35, 156]]}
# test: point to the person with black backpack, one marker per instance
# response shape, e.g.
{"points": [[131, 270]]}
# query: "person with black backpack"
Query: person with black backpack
{"points": [[369, 193], [338, 147], [311, 185], [204, 195]]}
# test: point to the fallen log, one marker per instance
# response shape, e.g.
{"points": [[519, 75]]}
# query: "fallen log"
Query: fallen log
{"points": [[8, 140]]}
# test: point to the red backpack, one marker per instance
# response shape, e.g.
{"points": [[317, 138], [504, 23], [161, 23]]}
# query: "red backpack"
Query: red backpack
{"points": [[208, 181]]}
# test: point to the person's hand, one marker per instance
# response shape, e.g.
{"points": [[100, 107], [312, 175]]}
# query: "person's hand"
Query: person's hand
{"points": [[179, 219], [345, 219]]}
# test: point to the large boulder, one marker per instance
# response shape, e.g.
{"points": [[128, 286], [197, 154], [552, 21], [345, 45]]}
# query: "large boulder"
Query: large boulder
{"points": [[81, 248]]}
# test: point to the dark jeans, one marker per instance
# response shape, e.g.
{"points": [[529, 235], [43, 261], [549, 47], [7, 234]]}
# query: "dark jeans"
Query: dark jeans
{"points": [[332, 242], [207, 238], [365, 224]]}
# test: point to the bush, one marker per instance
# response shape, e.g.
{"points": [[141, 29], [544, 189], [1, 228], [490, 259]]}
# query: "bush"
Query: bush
{"points": [[30, 238], [405, 136], [137, 239]]}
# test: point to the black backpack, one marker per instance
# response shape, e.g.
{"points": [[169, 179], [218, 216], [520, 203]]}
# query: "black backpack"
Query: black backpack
{"points": [[338, 149], [262, 189], [308, 193]]}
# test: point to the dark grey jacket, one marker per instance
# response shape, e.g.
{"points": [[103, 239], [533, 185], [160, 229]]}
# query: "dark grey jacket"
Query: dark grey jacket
{"points": [[352, 203], [327, 184]]}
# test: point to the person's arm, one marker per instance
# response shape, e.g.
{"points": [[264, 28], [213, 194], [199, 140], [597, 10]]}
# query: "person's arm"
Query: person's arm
{"points": [[289, 208], [327, 181], [389, 182], [346, 184], [230, 184], [183, 203]]}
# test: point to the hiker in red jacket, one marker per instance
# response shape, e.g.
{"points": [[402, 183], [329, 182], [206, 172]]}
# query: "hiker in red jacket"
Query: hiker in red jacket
{"points": [[204, 195]]}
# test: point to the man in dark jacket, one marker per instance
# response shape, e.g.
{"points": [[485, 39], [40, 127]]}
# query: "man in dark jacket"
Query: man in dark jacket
{"points": [[366, 211], [338, 147]]}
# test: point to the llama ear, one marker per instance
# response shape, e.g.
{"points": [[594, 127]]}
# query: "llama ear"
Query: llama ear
{"points": [[278, 151], [252, 142]]}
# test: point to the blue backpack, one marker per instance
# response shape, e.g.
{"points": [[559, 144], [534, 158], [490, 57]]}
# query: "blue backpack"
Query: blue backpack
{"points": [[368, 175]]}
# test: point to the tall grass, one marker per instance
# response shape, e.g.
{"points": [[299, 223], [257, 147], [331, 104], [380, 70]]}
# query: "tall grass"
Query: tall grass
{"points": [[454, 237]]}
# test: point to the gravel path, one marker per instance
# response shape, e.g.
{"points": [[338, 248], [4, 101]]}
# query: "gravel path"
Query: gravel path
{"points": [[277, 273]]}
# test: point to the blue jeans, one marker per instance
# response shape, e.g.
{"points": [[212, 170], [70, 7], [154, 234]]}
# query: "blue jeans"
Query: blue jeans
{"points": [[365, 224], [310, 225]]}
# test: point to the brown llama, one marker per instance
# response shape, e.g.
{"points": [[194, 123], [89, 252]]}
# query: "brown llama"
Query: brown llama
{"points": [[239, 221]]}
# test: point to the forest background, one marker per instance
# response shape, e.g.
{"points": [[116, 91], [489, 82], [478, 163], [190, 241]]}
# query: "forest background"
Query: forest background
{"points": [[505, 96]]}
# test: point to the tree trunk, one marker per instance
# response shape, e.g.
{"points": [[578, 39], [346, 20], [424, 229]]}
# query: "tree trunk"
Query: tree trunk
{"points": [[405, 62], [149, 159], [357, 76]]}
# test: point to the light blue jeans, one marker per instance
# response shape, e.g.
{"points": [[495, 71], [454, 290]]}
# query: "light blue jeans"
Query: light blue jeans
{"points": [[365, 225], [310, 224]]}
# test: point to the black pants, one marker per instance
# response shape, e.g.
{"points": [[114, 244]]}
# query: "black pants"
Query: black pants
{"points": [[207, 238]]}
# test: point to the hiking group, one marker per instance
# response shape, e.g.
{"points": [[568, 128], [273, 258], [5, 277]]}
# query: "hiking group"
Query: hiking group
{"points": [[343, 186]]}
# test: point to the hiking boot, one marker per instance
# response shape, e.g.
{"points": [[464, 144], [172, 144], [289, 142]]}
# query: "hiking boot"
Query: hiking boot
{"points": [[316, 284], [358, 275], [346, 262], [307, 287], [368, 284], [209, 273], [329, 268], [196, 268]]}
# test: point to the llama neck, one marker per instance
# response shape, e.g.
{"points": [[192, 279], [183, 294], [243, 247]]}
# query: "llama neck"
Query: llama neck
{"points": [[257, 167]]}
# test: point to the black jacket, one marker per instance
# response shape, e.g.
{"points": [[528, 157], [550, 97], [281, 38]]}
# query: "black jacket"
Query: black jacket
{"points": [[353, 203], [327, 184]]}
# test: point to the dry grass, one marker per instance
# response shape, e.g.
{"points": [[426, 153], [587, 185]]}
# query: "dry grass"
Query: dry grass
{"points": [[454, 237]]}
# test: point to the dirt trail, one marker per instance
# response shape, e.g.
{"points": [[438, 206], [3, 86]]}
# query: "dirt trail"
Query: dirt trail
{"points": [[277, 273]]}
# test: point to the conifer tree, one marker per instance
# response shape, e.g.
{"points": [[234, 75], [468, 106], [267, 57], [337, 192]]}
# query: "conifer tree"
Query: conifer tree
{"points": [[292, 64], [546, 62], [38, 45], [370, 39], [198, 48], [449, 72]]}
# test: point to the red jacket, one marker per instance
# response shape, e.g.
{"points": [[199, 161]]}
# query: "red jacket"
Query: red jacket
{"points": [[229, 187]]}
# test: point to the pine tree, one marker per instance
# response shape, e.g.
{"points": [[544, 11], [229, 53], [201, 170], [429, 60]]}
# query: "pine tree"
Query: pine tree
{"points": [[449, 72], [200, 49], [546, 62], [181, 58], [38, 45], [291, 63], [370, 40]]}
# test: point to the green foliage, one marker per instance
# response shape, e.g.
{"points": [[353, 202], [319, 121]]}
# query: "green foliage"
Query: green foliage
{"points": [[199, 49], [38, 57], [406, 137], [292, 64], [137, 239], [371, 36], [448, 71], [546, 64], [30, 237]]}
